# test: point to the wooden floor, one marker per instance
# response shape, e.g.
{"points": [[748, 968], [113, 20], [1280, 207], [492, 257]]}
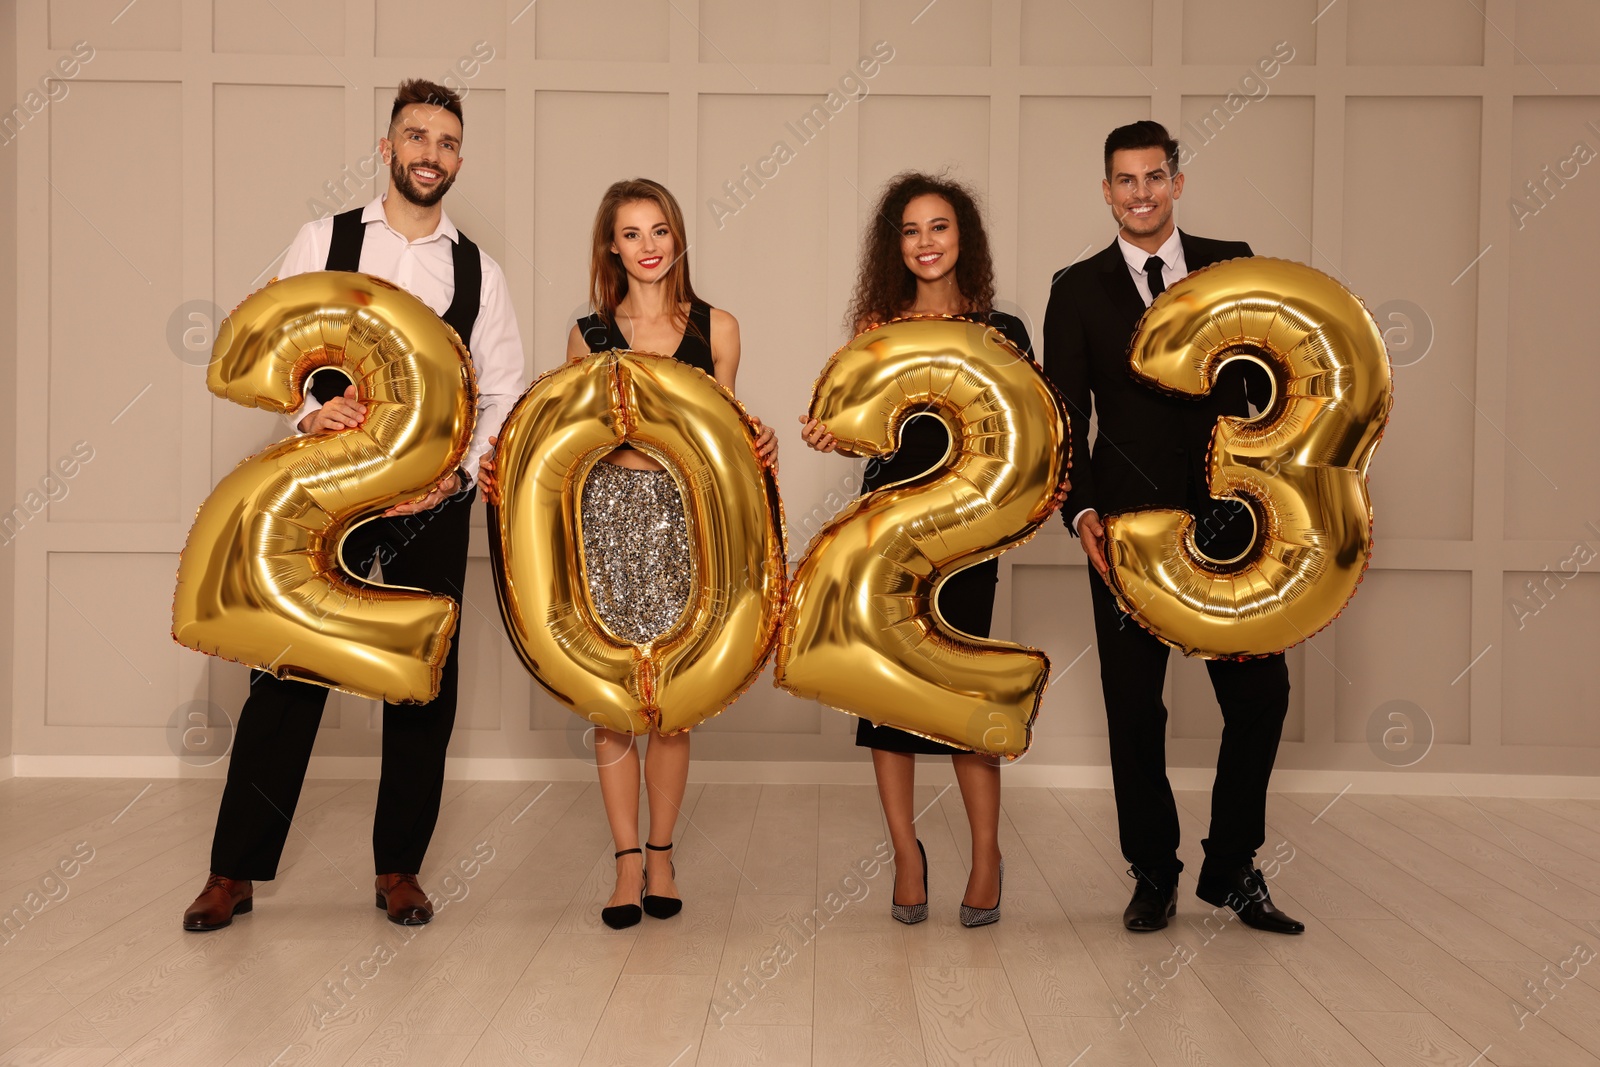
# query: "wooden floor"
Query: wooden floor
{"points": [[1443, 930]]}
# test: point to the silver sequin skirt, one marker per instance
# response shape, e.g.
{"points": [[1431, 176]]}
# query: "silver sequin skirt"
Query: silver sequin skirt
{"points": [[636, 550]]}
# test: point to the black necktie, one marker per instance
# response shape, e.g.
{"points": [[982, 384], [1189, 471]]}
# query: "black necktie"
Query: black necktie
{"points": [[1152, 271]]}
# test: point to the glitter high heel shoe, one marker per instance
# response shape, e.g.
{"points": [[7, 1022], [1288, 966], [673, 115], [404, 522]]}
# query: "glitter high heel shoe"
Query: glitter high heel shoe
{"points": [[971, 916], [911, 914]]}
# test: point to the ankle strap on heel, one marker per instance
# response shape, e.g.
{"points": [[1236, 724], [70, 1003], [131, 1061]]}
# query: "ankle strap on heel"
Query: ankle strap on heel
{"points": [[658, 848], [626, 852]]}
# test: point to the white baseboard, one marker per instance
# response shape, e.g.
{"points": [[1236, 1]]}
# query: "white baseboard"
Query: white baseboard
{"points": [[1061, 776], [112, 767]]}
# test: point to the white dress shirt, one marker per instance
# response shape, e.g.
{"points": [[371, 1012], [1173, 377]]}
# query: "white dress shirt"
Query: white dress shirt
{"points": [[1173, 268], [425, 268]]}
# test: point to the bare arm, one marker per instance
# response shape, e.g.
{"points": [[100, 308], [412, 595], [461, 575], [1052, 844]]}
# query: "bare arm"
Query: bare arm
{"points": [[725, 348], [725, 351]]}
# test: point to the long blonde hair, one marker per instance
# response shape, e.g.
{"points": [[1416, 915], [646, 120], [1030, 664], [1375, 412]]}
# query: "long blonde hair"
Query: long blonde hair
{"points": [[608, 281]]}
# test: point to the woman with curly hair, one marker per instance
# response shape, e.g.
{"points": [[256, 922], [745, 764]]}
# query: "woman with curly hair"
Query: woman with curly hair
{"points": [[926, 253]]}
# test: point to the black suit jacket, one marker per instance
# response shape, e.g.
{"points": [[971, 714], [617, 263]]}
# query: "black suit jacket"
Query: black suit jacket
{"points": [[1151, 447]]}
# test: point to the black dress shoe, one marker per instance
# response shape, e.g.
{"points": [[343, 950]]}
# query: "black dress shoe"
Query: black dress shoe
{"points": [[1151, 905], [1245, 891]]}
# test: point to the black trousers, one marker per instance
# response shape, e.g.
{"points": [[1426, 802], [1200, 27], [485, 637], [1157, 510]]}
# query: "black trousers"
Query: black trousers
{"points": [[1254, 696], [278, 723]]}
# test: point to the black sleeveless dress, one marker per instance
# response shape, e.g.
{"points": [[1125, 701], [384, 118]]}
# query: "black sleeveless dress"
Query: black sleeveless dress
{"points": [[601, 335], [967, 600]]}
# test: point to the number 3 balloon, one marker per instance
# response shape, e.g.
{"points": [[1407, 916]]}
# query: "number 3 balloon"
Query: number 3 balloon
{"points": [[1300, 466], [259, 580], [862, 632], [560, 428]]}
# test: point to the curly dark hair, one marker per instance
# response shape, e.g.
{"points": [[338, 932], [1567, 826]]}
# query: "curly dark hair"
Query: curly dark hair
{"points": [[884, 287]]}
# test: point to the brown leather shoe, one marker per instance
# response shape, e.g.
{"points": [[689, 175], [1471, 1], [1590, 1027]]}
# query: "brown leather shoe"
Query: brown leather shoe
{"points": [[218, 903], [402, 897]]}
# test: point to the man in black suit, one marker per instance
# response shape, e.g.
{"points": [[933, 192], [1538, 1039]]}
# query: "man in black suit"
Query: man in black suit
{"points": [[1150, 452]]}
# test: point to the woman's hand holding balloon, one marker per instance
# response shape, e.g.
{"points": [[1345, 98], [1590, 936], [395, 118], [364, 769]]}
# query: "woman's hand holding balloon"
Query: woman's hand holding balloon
{"points": [[766, 444], [816, 435]]}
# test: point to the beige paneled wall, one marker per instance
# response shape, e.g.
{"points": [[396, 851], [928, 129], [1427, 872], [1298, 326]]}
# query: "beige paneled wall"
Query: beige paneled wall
{"points": [[1386, 143], [8, 375]]}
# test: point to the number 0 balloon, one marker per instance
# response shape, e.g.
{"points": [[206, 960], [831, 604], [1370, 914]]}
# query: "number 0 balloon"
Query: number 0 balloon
{"points": [[259, 580], [1300, 466], [862, 633], [566, 421]]}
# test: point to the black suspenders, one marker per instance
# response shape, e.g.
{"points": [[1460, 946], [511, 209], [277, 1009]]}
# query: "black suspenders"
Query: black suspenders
{"points": [[344, 253]]}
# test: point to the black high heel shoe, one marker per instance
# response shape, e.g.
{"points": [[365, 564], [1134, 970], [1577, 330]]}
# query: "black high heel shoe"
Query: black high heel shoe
{"points": [[625, 915], [661, 907], [911, 914]]}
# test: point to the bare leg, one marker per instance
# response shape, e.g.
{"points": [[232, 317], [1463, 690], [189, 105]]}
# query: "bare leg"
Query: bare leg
{"points": [[979, 778], [616, 758], [666, 775], [897, 779]]}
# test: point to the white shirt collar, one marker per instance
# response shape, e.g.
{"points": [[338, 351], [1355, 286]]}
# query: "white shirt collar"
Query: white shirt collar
{"points": [[373, 212], [1171, 251]]}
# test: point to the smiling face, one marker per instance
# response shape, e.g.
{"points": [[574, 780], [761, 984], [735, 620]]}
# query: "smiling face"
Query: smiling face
{"points": [[424, 153], [642, 240], [930, 241], [1140, 190]]}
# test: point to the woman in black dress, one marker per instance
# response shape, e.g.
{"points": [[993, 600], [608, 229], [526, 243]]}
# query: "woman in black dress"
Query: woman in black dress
{"points": [[635, 542], [926, 253]]}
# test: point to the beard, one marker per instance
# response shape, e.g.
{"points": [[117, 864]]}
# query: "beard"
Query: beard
{"points": [[414, 193]]}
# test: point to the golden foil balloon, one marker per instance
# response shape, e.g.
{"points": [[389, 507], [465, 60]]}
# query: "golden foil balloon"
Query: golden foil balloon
{"points": [[566, 421], [260, 579], [1300, 466], [861, 632]]}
